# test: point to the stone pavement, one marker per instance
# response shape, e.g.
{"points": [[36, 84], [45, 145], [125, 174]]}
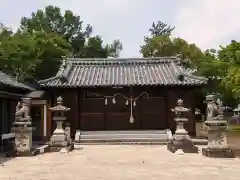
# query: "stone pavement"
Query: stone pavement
{"points": [[120, 162]]}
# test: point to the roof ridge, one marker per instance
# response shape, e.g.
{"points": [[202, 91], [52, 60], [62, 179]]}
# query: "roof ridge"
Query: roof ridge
{"points": [[186, 73], [47, 80], [164, 58], [106, 61]]}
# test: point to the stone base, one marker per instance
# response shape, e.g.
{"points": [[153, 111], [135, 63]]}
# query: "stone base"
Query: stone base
{"points": [[68, 148], [218, 153], [186, 147], [14, 153]]}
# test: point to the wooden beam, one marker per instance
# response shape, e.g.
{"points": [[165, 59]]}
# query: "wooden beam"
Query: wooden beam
{"points": [[10, 95]]}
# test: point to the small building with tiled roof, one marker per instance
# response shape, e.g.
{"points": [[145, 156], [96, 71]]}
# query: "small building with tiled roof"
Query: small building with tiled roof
{"points": [[124, 93]]}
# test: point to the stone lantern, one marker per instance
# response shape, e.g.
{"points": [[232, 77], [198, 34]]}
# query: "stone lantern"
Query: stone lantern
{"points": [[217, 125], [181, 141], [237, 111], [23, 128], [236, 116], [59, 140]]}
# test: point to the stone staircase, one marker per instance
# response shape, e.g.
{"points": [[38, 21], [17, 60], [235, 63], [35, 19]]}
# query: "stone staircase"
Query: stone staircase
{"points": [[123, 137]]}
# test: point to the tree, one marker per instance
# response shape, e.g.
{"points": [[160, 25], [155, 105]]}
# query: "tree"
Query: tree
{"points": [[221, 67], [160, 43], [71, 28], [36, 50], [51, 49], [230, 56], [17, 56], [161, 29], [230, 53], [32, 56]]}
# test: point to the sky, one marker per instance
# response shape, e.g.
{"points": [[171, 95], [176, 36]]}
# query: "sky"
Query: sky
{"points": [[207, 23]]}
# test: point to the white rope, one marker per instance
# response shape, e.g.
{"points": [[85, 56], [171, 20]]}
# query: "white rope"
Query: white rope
{"points": [[120, 94]]}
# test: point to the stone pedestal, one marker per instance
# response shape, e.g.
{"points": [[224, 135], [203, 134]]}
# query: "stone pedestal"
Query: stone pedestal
{"points": [[217, 126], [60, 141], [217, 140], [218, 153], [181, 141], [22, 127], [23, 140]]}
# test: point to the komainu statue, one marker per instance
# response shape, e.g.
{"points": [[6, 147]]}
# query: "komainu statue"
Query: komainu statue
{"points": [[215, 110], [217, 126], [23, 110]]}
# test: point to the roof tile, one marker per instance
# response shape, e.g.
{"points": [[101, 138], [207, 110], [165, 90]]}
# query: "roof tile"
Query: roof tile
{"points": [[122, 72], [8, 80]]}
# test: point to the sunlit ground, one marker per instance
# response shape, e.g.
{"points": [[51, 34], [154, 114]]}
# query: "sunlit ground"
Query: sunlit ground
{"points": [[120, 162]]}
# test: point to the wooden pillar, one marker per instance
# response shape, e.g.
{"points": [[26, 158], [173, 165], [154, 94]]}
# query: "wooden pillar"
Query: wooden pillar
{"points": [[171, 101], [49, 119]]}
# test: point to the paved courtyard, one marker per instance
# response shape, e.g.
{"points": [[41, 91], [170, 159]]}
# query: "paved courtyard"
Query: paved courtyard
{"points": [[123, 162]]}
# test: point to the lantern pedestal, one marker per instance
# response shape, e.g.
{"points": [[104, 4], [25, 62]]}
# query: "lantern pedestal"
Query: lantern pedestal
{"points": [[60, 140], [181, 141]]}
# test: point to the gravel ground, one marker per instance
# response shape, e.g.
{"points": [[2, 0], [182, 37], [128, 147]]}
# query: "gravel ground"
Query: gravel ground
{"points": [[119, 162]]}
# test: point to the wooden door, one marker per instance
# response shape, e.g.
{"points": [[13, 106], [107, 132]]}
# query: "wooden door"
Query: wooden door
{"points": [[92, 114], [37, 120], [118, 115], [153, 113]]}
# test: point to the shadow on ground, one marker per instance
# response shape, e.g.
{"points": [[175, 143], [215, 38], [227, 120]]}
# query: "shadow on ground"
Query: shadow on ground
{"points": [[4, 159], [233, 138]]}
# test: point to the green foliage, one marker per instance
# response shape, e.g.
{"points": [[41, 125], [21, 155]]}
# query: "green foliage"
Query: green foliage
{"points": [[160, 29], [70, 27], [222, 66], [36, 50], [17, 56], [51, 48], [32, 56], [160, 43]]}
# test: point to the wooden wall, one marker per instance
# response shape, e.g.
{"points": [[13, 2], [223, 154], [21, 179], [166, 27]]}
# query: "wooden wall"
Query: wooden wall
{"points": [[72, 98]]}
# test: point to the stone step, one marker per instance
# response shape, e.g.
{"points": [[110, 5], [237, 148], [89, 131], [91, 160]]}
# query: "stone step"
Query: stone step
{"points": [[199, 141], [110, 140], [42, 148], [124, 132], [121, 137], [122, 143], [103, 136]]}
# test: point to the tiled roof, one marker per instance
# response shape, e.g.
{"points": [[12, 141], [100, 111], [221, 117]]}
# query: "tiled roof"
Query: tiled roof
{"points": [[122, 72], [9, 81]]}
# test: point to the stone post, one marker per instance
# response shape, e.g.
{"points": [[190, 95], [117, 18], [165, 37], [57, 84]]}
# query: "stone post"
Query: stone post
{"points": [[60, 140], [217, 126], [181, 141], [22, 127]]}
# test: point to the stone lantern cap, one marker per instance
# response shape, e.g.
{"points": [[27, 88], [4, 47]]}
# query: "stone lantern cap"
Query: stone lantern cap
{"points": [[59, 107], [197, 111], [179, 108], [237, 109], [211, 97]]}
